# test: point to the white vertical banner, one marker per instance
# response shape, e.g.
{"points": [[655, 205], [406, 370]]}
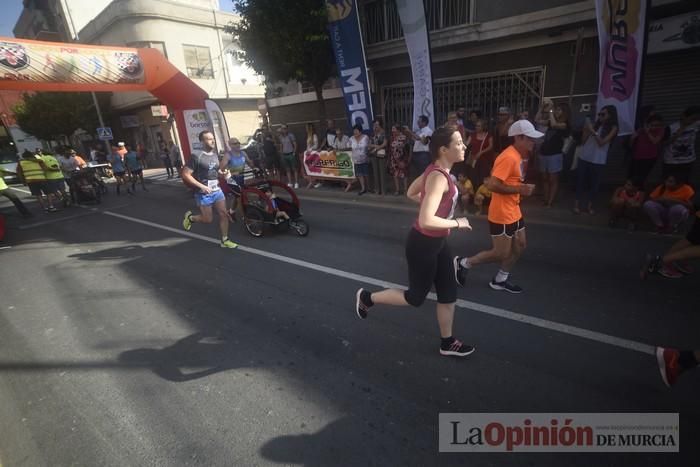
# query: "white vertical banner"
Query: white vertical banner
{"points": [[415, 31], [621, 33], [196, 121]]}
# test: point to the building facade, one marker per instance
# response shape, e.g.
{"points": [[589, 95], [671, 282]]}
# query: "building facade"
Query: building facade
{"points": [[190, 33], [492, 53]]}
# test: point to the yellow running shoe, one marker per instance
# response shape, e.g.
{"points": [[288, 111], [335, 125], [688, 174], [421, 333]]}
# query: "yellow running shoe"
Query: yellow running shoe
{"points": [[187, 222], [227, 243]]}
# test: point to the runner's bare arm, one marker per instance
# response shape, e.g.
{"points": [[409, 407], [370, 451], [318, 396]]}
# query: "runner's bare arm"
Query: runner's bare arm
{"points": [[435, 186], [497, 186], [413, 192]]}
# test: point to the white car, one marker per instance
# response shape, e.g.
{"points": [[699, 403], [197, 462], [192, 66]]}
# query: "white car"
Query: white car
{"points": [[8, 164]]}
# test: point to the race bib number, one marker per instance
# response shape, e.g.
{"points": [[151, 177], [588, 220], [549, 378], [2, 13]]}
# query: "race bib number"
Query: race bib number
{"points": [[213, 185]]}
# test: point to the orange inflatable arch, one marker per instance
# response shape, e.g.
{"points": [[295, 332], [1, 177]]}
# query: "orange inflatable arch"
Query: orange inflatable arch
{"points": [[27, 65]]}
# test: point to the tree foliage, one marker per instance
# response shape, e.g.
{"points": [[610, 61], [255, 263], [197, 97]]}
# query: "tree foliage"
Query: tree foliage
{"points": [[54, 115], [286, 40]]}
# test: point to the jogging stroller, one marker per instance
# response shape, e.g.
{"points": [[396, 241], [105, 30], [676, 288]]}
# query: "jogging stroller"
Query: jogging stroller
{"points": [[85, 186]]}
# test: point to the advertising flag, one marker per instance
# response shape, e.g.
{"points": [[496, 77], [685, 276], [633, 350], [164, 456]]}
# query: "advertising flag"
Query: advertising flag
{"points": [[621, 33], [344, 30]]}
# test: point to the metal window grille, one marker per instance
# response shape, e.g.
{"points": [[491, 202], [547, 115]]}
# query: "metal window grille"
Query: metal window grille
{"points": [[518, 89], [381, 18]]}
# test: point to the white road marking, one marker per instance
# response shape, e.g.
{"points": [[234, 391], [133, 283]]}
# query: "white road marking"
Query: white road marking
{"points": [[473, 306]]}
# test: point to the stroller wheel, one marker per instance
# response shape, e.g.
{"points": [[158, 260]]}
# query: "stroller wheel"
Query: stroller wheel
{"points": [[300, 227], [254, 222]]}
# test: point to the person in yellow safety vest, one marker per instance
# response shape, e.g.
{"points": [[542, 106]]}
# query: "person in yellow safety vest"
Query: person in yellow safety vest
{"points": [[30, 170], [55, 183], [5, 191]]}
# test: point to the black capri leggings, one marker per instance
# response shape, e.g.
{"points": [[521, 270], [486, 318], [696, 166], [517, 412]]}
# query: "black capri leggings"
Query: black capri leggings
{"points": [[429, 263]]}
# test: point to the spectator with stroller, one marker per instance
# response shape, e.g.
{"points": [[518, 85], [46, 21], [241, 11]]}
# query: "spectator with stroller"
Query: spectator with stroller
{"points": [[626, 203], [669, 205]]}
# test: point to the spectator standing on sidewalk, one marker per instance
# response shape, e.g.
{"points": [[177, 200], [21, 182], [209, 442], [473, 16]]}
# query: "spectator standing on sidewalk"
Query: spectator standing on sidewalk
{"points": [[176, 156], [646, 145], [669, 205], [273, 164], [420, 159], [481, 159], [399, 160], [503, 123], [594, 155], [312, 145], [377, 156], [165, 157], [288, 145], [359, 144], [681, 152], [427, 251], [552, 150], [329, 141]]}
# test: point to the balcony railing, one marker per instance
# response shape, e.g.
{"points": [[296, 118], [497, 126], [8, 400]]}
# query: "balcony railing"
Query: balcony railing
{"points": [[381, 21]]}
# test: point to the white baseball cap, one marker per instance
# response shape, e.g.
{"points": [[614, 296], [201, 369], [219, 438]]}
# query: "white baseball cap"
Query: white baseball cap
{"points": [[120, 143], [524, 127]]}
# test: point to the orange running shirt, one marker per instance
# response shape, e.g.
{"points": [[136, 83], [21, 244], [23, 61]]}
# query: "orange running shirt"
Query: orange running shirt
{"points": [[508, 168], [683, 193]]}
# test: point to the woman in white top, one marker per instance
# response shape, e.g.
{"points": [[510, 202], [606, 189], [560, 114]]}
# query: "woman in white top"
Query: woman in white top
{"points": [[360, 158], [594, 155]]}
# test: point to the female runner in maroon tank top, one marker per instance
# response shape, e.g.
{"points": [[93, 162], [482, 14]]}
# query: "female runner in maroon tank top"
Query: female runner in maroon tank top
{"points": [[428, 255]]}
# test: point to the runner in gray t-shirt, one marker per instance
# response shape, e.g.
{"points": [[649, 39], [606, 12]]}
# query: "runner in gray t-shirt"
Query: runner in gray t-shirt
{"points": [[202, 174]]}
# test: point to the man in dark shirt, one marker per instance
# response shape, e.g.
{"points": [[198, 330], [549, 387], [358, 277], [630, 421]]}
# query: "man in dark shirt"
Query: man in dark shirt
{"points": [[202, 174]]}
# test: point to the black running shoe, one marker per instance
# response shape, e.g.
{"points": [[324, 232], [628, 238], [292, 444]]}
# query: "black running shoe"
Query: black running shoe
{"points": [[650, 266], [460, 271], [362, 303], [505, 285], [457, 349]]}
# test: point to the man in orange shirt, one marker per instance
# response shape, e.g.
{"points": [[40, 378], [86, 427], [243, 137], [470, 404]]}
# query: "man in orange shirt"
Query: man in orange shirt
{"points": [[506, 221]]}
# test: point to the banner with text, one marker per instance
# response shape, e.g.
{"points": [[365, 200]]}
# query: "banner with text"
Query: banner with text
{"points": [[196, 121], [415, 31], [344, 31], [329, 164], [621, 32]]}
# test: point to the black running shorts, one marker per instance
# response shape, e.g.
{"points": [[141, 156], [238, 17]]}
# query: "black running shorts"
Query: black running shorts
{"points": [[506, 229]]}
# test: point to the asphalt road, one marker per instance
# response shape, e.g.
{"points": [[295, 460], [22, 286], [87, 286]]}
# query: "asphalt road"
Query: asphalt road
{"points": [[125, 341]]}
